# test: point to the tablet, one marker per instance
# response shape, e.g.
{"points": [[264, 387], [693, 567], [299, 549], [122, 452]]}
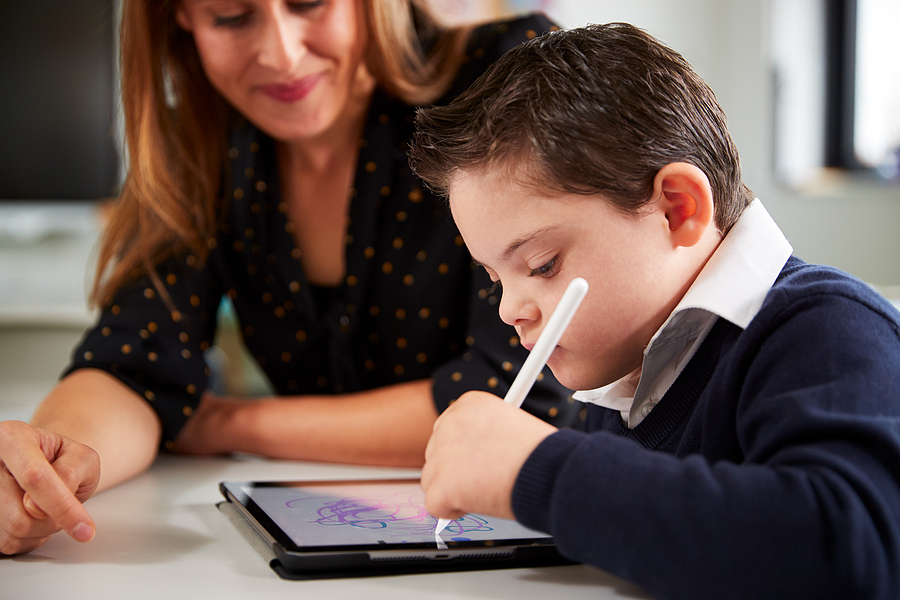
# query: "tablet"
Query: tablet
{"points": [[377, 527]]}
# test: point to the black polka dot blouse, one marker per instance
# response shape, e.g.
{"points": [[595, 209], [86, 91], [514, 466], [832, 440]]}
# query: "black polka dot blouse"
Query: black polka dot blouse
{"points": [[411, 305]]}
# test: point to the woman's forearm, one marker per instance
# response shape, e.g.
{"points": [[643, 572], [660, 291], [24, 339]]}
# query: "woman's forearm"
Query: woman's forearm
{"points": [[96, 409], [385, 426]]}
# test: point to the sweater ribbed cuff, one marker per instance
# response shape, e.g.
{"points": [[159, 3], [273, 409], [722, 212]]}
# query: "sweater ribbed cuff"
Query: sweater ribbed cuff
{"points": [[533, 490]]}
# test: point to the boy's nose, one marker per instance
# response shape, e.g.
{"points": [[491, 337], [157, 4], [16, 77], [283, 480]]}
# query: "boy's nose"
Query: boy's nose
{"points": [[516, 310]]}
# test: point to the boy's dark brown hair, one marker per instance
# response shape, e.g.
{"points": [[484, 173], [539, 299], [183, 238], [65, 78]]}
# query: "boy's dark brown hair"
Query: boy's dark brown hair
{"points": [[593, 110]]}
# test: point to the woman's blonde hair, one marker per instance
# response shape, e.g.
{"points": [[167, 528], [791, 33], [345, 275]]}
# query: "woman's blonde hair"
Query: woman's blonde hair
{"points": [[176, 127]]}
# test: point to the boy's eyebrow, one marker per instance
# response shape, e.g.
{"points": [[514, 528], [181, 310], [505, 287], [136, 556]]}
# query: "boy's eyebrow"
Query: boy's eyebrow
{"points": [[525, 239], [518, 243]]}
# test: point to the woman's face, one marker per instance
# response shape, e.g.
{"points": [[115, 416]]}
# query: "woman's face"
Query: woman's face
{"points": [[292, 68]]}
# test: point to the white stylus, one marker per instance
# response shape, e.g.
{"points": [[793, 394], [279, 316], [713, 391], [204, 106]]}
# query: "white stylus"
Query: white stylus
{"points": [[540, 354]]}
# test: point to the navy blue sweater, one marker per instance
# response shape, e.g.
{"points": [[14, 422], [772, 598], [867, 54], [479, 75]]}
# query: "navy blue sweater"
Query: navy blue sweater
{"points": [[770, 469]]}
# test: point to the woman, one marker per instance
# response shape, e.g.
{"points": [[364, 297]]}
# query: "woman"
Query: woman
{"points": [[267, 164]]}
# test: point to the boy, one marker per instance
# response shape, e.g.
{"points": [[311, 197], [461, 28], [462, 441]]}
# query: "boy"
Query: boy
{"points": [[742, 417]]}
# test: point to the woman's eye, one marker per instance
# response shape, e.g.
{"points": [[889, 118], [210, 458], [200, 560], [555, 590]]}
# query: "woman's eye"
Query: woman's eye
{"points": [[305, 6], [231, 21], [239, 20], [548, 269], [495, 288]]}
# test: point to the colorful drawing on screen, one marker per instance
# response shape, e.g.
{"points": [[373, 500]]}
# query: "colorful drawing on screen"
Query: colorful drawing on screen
{"points": [[398, 514]]}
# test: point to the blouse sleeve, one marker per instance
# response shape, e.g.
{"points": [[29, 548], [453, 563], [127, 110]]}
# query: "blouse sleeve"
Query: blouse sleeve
{"points": [[157, 347]]}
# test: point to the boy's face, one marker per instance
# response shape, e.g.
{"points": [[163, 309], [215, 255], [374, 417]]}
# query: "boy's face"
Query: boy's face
{"points": [[535, 242]]}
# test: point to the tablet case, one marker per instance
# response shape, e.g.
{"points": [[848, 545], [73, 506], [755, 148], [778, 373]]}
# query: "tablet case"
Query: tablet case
{"points": [[537, 557]]}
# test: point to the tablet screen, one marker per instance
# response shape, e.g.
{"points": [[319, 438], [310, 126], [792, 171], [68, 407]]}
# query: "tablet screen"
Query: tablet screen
{"points": [[368, 513]]}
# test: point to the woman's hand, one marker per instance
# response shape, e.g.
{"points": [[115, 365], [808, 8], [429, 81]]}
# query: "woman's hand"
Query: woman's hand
{"points": [[383, 426], [205, 433], [44, 479], [475, 453]]}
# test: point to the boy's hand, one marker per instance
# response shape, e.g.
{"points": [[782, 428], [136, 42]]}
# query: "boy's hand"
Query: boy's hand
{"points": [[476, 451], [44, 478]]}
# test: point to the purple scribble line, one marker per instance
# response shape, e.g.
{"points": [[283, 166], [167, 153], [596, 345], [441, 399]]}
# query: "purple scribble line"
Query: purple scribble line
{"points": [[403, 516]]}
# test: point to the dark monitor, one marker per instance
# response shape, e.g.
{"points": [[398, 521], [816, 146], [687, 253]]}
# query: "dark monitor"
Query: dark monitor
{"points": [[57, 100]]}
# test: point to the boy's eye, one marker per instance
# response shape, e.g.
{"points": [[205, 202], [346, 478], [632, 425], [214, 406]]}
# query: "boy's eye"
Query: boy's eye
{"points": [[548, 269]]}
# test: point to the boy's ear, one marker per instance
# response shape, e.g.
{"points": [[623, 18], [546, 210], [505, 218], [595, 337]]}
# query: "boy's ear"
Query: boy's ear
{"points": [[686, 198]]}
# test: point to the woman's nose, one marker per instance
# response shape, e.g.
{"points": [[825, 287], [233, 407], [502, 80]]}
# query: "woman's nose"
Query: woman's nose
{"points": [[282, 44]]}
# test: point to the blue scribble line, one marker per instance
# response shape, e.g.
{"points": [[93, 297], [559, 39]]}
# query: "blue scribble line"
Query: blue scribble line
{"points": [[398, 514]]}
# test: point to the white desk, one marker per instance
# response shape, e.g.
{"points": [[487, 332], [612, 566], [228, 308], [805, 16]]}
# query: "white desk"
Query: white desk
{"points": [[161, 536]]}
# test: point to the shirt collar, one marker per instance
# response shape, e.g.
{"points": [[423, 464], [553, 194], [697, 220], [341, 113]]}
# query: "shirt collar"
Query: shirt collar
{"points": [[732, 285], [739, 274]]}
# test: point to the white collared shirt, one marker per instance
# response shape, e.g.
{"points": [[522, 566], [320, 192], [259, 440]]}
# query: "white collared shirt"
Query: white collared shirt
{"points": [[732, 285]]}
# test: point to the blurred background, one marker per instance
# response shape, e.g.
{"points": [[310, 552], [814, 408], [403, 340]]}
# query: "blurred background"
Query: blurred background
{"points": [[811, 89]]}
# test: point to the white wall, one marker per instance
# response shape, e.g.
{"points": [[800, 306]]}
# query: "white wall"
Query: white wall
{"points": [[847, 223]]}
